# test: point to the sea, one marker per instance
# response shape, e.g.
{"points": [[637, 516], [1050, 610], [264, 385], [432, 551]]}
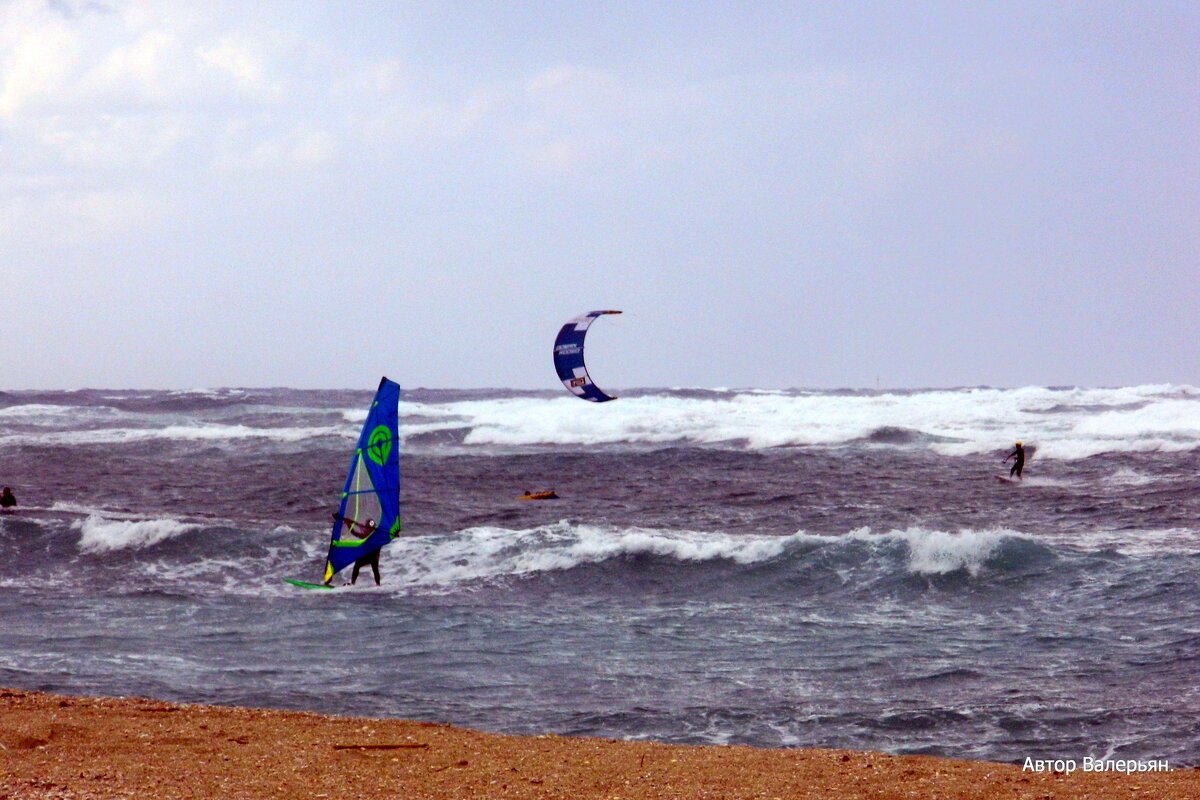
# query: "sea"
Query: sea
{"points": [[776, 568]]}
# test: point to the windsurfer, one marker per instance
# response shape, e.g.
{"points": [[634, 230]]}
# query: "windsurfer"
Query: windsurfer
{"points": [[372, 487], [1019, 454], [6, 498], [371, 560], [365, 529]]}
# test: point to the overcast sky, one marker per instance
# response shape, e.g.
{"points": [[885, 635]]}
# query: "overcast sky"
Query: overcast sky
{"points": [[812, 194]]}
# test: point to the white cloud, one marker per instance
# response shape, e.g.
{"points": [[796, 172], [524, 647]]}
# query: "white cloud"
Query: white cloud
{"points": [[570, 83], [102, 143], [82, 216], [149, 69], [38, 52], [242, 58], [314, 148], [287, 151]]}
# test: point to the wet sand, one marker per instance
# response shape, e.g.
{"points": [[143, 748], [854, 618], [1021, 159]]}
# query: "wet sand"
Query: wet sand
{"points": [[78, 748]]}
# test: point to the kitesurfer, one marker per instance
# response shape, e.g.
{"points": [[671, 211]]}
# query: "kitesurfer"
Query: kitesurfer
{"points": [[1019, 454], [6, 498]]}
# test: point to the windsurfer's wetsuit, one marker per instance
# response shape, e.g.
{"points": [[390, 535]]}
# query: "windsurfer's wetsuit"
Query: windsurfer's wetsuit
{"points": [[1019, 454], [371, 559]]}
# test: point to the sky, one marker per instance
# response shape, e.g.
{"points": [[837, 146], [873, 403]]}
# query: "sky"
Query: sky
{"points": [[777, 194]]}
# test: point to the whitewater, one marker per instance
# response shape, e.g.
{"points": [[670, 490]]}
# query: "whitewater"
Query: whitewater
{"points": [[779, 568]]}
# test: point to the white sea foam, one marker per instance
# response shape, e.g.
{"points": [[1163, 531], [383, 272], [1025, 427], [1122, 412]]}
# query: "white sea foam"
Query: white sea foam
{"points": [[1064, 423], [487, 552], [935, 552], [1036, 481], [103, 535], [1183, 541], [1129, 477], [48, 414], [64, 507], [197, 433]]}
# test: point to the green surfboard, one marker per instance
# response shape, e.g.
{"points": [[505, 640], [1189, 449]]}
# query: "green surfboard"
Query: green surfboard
{"points": [[306, 585]]}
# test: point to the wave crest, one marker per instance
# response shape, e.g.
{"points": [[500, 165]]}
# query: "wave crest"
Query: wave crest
{"points": [[100, 535], [935, 552], [952, 422], [678, 557]]}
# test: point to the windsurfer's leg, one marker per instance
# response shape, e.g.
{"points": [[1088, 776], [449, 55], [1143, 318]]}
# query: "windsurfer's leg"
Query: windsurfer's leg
{"points": [[375, 569], [354, 575]]}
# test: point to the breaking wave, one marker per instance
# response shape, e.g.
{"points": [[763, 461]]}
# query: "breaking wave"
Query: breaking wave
{"points": [[860, 558], [1064, 424], [102, 535]]}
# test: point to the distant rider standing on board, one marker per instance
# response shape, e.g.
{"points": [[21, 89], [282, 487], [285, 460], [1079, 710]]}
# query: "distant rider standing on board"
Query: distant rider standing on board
{"points": [[371, 559], [1019, 464]]}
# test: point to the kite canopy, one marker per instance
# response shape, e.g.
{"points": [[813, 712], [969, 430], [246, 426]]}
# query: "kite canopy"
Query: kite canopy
{"points": [[369, 514], [568, 358]]}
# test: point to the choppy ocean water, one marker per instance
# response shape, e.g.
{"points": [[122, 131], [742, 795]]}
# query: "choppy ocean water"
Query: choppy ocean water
{"points": [[834, 569]]}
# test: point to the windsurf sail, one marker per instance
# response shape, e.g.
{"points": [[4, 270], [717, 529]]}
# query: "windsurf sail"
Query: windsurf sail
{"points": [[368, 515], [568, 358]]}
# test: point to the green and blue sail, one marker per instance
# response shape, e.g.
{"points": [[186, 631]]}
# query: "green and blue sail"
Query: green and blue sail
{"points": [[368, 516]]}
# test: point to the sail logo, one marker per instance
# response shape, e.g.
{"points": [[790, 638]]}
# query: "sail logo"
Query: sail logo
{"points": [[379, 445]]}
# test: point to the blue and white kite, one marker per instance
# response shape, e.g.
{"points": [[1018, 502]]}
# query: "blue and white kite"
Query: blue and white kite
{"points": [[568, 358]]}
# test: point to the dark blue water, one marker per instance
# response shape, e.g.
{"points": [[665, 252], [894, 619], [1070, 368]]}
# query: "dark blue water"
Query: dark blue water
{"points": [[775, 569]]}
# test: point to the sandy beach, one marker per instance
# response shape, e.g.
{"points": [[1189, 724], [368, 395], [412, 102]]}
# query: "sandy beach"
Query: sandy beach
{"points": [[84, 747]]}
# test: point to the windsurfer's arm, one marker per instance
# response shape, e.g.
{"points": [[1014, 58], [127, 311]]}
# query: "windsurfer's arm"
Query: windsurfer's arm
{"points": [[351, 525]]}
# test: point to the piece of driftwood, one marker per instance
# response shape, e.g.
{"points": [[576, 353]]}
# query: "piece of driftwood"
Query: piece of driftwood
{"points": [[378, 746]]}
